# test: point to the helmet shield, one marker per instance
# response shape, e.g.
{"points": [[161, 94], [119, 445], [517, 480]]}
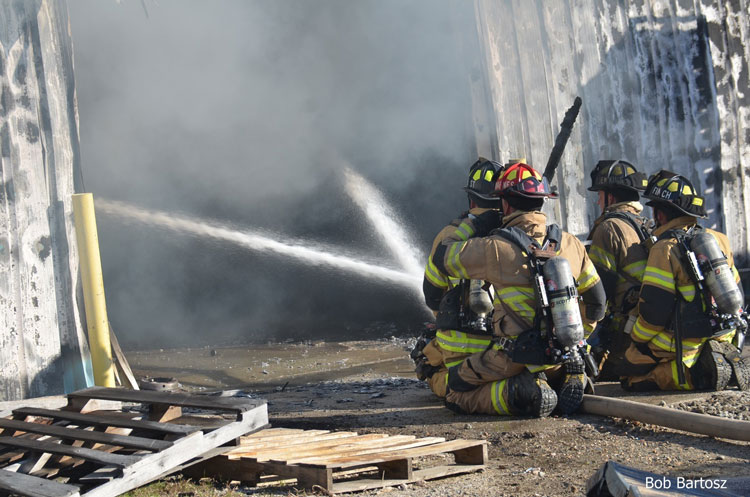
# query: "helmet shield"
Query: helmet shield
{"points": [[522, 180]]}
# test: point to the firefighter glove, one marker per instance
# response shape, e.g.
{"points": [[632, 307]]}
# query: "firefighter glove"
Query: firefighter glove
{"points": [[486, 222]]}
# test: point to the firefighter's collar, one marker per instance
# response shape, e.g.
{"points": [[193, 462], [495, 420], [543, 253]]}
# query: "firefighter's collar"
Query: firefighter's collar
{"points": [[683, 222], [629, 206], [479, 210], [533, 223]]}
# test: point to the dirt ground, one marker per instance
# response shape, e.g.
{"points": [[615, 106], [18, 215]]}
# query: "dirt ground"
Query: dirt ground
{"points": [[369, 387]]}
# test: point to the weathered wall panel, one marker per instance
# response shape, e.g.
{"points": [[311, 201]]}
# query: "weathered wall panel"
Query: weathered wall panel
{"points": [[664, 84], [40, 351]]}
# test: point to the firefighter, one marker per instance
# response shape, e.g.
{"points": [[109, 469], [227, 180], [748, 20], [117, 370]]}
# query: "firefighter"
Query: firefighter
{"points": [[452, 342], [679, 342], [619, 251], [508, 379]]}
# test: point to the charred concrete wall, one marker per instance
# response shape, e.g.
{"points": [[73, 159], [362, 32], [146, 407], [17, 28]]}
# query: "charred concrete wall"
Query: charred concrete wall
{"points": [[41, 335], [664, 85]]}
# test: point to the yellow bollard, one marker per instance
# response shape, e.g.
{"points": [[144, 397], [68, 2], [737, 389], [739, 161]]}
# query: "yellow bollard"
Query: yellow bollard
{"points": [[93, 289]]}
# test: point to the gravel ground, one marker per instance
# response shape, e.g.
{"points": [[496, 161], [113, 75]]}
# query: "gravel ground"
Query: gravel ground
{"points": [[730, 404], [554, 456], [527, 457]]}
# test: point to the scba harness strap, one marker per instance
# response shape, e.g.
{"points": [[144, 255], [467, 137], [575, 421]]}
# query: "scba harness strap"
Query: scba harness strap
{"points": [[531, 347], [637, 222], [692, 319], [530, 246]]}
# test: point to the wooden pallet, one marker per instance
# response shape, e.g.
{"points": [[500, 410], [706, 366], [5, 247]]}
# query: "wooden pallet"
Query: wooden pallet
{"points": [[315, 458], [78, 450]]}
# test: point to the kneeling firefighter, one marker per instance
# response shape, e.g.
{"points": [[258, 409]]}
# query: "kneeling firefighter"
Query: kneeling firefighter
{"points": [[537, 272], [461, 306], [620, 239], [690, 306]]}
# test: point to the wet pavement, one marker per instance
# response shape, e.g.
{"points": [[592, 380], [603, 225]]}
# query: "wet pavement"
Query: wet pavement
{"points": [[266, 366]]}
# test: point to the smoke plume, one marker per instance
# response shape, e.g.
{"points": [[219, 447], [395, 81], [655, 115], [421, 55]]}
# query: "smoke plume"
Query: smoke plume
{"points": [[233, 110]]}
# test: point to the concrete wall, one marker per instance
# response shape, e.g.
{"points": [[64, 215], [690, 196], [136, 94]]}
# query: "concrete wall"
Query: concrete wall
{"points": [[664, 85], [41, 334]]}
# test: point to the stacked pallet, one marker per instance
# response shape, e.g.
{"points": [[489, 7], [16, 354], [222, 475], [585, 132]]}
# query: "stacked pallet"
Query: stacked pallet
{"points": [[338, 462]]}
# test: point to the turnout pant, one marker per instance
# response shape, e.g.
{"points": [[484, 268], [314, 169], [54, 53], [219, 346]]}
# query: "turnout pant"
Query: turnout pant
{"points": [[480, 384], [449, 348], [652, 373]]}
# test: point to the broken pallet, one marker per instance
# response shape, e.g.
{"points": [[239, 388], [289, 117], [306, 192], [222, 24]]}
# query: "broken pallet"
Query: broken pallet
{"points": [[339, 462], [80, 451]]}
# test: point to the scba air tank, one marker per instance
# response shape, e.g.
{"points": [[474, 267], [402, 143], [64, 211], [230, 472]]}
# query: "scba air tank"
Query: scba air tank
{"points": [[479, 300], [717, 273], [563, 301]]}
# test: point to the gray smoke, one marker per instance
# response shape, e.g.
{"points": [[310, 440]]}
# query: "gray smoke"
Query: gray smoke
{"points": [[234, 111]]}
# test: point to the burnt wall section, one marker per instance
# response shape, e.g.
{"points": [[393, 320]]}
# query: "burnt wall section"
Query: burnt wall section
{"points": [[41, 335], [664, 85]]}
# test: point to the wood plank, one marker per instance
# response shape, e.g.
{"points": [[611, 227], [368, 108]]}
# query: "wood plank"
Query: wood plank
{"points": [[224, 469], [122, 362], [310, 477], [386, 445], [141, 443], [105, 420], [272, 432], [398, 469], [472, 455], [417, 475], [331, 458], [202, 422], [306, 435], [164, 413], [275, 443], [85, 406], [31, 486], [188, 450], [428, 450], [97, 456], [232, 404], [280, 452], [34, 463]]}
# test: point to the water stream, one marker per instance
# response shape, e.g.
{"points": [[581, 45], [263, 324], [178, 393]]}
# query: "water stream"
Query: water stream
{"points": [[306, 252], [386, 223]]}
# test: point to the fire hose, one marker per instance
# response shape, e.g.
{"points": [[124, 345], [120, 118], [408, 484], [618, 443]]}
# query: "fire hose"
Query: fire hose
{"points": [[692, 422]]}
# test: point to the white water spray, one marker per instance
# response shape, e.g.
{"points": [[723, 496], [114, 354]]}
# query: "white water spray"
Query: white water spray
{"points": [[386, 222], [388, 225], [317, 255]]}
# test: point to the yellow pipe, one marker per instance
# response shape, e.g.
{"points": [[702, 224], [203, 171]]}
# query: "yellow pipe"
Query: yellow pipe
{"points": [[93, 289]]}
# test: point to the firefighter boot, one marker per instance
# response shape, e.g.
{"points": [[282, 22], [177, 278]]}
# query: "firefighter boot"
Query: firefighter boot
{"points": [[570, 393], [740, 367], [530, 395], [711, 371]]}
